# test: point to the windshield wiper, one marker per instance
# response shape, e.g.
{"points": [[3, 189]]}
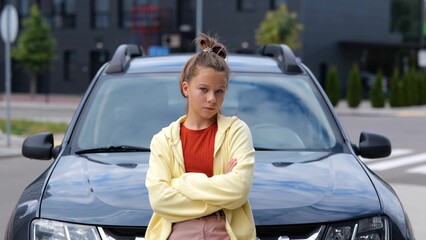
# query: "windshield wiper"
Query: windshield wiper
{"points": [[266, 149], [121, 148]]}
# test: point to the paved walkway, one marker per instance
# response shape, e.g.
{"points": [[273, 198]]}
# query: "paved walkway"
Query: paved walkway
{"points": [[70, 102], [42, 100], [25, 101]]}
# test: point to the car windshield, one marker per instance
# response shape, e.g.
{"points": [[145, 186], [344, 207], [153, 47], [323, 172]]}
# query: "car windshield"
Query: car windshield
{"points": [[283, 112]]}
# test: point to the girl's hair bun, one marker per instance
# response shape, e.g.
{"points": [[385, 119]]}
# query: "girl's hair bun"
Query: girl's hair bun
{"points": [[210, 44]]}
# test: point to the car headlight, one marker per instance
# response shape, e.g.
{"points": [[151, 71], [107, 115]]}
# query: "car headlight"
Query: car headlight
{"points": [[42, 229], [375, 228]]}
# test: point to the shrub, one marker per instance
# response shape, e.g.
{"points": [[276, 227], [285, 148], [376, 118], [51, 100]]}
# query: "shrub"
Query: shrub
{"points": [[354, 90], [423, 87], [332, 86], [417, 89], [377, 95], [396, 90], [407, 85]]}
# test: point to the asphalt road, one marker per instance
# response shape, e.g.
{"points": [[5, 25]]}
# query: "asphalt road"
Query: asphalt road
{"points": [[405, 169], [15, 174], [408, 138]]}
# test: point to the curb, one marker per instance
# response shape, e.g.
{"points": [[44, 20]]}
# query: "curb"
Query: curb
{"points": [[14, 150], [365, 109]]}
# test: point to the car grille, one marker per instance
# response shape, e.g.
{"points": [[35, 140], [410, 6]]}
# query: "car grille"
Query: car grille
{"points": [[296, 232], [122, 233]]}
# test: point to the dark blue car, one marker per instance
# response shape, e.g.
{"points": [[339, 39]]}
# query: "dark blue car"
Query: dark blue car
{"points": [[309, 182]]}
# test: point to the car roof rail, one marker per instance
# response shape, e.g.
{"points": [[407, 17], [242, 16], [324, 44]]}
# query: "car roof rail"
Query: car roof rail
{"points": [[284, 55], [122, 57]]}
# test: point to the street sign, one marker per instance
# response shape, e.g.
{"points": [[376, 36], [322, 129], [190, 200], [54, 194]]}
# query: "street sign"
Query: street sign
{"points": [[9, 29], [9, 23]]}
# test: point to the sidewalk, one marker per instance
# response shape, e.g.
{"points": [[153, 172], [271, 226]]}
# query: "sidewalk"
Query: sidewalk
{"points": [[25, 101], [70, 102], [365, 109], [42, 100]]}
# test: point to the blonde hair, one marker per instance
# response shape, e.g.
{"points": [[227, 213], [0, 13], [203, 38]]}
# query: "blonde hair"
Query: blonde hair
{"points": [[212, 55]]}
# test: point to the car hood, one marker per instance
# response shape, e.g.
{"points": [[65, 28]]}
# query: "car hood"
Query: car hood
{"points": [[288, 188]]}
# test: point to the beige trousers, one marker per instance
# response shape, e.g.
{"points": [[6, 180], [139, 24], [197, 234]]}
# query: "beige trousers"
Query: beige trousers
{"points": [[211, 227]]}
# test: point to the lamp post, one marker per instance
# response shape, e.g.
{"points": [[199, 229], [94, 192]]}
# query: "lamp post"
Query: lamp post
{"points": [[199, 20]]}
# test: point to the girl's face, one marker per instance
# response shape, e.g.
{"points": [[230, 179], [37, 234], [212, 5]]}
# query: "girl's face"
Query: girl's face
{"points": [[205, 93]]}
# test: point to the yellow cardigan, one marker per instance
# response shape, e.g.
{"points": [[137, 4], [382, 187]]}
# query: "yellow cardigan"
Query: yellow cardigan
{"points": [[178, 196]]}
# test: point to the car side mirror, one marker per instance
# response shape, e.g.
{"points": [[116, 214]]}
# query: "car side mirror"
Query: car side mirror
{"points": [[372, 145], [38, 146]]}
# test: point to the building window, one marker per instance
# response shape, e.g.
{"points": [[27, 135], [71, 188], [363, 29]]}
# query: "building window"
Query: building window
{"points": [[405, 19], [70, 65], [246, 5], [126, 7], [276, 3], [23, 8], [424, 19], [100, 14], [97, 59], [60, 14]]}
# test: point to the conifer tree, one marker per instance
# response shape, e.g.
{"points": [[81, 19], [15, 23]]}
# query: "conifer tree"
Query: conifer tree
{"points": [[408, 88], [35, 47], [354, 89], [396, 95], [377, 95], [332, 86]]}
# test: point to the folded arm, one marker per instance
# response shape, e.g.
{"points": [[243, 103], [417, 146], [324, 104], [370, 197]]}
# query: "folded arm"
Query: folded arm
{"points": [[228, 190], [165, 200]]}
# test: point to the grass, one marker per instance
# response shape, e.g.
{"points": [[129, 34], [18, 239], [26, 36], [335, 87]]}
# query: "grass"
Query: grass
{"points": [[27, 127]]}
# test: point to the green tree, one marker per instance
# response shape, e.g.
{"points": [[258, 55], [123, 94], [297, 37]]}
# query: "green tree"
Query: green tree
{"points": [[377, 95], [423, 88], [417, 89], [396, 98], [354, 90], [35, 48], [332, 86], [407, 85], [279, 27]]}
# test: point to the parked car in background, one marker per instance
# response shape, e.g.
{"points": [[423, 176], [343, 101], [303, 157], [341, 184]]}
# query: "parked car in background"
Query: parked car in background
{"points": [[309, 182]]}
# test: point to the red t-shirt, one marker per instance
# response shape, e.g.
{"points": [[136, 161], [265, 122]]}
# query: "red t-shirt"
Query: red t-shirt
{"points": [[198, 149]]}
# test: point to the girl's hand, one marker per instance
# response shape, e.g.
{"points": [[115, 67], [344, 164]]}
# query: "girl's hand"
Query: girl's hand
{"points": [[231, 165]]}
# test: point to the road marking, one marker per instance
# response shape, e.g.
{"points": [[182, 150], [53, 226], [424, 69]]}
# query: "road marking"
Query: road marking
{"points": [[395, 153], [381, 166], [421, 170]]}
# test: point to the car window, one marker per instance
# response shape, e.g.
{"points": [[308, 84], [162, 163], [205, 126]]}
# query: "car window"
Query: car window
{"points": [[283, 112], [129, 111]]}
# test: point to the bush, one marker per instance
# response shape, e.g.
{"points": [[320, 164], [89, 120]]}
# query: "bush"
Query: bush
{"points": [[396, 97], [354, 90], [377, 95], [423, 87], [408, 90], [417, 89], [332, 86], [408, 85]]}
